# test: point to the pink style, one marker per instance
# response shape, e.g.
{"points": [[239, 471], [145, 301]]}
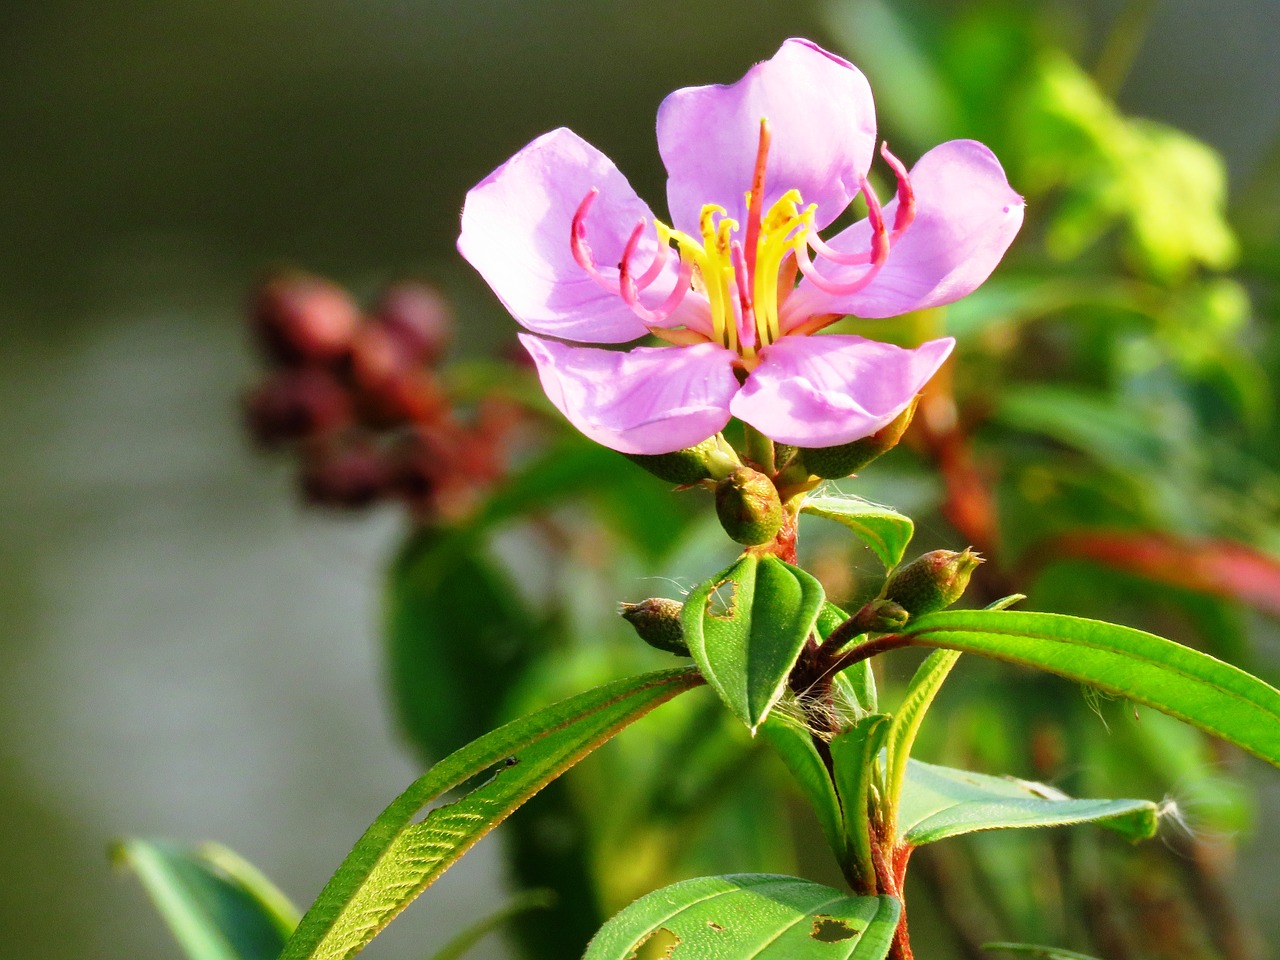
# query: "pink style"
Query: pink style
{"points": [[740, 280]]}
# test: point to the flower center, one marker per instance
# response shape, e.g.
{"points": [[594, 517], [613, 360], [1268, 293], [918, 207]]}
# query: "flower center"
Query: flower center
{"points": [[746, 281]]}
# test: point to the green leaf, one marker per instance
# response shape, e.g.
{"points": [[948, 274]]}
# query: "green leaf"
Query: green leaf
{"points": [[218, 906], [751, 916], [1184, 683], [940, 802], [885, 531], [745, 629], [398, 858], [796, 747], [856, 685], [906, 722], [854, 754]]}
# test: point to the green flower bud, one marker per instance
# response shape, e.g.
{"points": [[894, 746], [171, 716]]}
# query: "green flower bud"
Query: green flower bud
{"points": [[657, 622], [833, 463], [748, 507], [880, 616], [932, 581], [682, 466]]}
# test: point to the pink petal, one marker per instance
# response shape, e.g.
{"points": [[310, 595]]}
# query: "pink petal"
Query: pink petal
{"points": [[826, 390], [515, 231], [823, 121], [966, 217], [645, 400]]}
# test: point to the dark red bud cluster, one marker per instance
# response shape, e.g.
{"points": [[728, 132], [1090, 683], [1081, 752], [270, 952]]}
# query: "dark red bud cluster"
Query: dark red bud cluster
{"points": [[359, 399]]}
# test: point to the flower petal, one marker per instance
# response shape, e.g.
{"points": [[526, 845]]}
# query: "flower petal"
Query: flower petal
{"points": [[516, 227], [645, 400], [966, 217], [827, 390], [823, 122]]}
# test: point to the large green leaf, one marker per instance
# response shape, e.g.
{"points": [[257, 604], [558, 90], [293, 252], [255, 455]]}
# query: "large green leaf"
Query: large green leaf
{"points": [[218, 906], [398, 858], [746, 627], [753, 916], [940, 802], [885, 531], [1182, 682]]}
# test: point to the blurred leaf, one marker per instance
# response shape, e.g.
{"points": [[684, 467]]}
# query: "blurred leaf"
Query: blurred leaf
{"points": [[907, 85], [458, 638], [1036, 950], [751, 917], [218, 906], [885, 531], [468, 938], [398, 857], [746, 627], [1187, 684], [1212, 566], [940, 802]]}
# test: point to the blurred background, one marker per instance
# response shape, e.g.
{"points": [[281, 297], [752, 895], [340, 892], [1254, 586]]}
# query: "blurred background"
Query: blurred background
{"points": [[187, 651]]}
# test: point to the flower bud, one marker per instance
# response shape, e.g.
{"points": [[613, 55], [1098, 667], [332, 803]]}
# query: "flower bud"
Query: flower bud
{"points": [[354, 477], [296, 405], [879, 616], [682, 466], [657, 622], [299, 319], [834, 463], [748, 506], [932, 581], [418, 320]]}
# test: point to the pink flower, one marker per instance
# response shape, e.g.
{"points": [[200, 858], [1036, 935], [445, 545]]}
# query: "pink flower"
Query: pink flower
{"points": [[755, 170]]}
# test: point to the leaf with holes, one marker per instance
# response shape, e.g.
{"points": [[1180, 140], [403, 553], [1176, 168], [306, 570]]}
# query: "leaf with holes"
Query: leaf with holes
{"points": [[398, 858], [745, 629], [218, 906], [885, 531], [750, 916], [1184, 683], [940, 802]]}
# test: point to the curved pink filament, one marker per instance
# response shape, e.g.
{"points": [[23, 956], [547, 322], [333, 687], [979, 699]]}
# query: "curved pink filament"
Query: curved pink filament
{"points": [[879, 252], [581, 251], [630, 291], [906, 211], [745, 315]]}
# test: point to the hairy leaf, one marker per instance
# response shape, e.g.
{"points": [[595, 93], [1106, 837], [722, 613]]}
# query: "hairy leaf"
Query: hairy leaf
{"points": [[1187, 684], [939, 802], [754, 916], [885, 531], [398, 858], [746, 627]]}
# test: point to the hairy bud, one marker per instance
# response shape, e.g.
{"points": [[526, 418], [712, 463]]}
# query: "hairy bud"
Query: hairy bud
{"points": [[657, 622], [296, 404], [932, 581], [748, 506], [879, 616], [833, 463], [682, 466]]}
